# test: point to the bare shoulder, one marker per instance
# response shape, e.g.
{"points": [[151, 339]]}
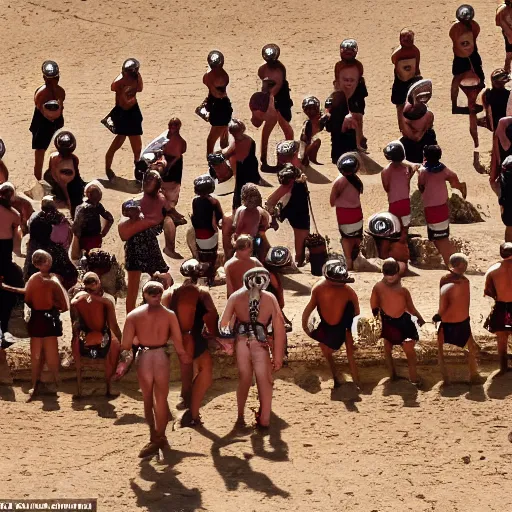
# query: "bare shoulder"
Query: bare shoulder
{"points": [[256, 261], [137, 312], [492, 270], [351, 292]]}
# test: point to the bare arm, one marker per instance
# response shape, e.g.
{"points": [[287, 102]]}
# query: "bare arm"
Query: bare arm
{"points": [[412, 309], [128, 228], [108, 224], [60, 296], [11, 289], [140, 83], [112, 321], [128, 333], [454, 181], [444, 303], [228, 313], [335, 192], [310, 307], [355, 301], [4, 173], [211, 316], [229, 282], [279, 334], [384, 176], [177, 340], [375, 301], [274, 198], [489, 288]]}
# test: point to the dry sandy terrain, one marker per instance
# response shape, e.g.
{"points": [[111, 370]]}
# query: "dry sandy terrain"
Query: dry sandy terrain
{"points": [[390, 448]]}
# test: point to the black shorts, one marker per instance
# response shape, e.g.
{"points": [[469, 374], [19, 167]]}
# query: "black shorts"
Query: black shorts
{"points": [[200, 345], [175, 173], [464, 64], [220, 110], [457, 333], [298, 219], [357, 102], [283, 101], [508, 46], [500, 318], [44, 324], [334, 336], [398, 330], [400, 89], [506, 215], [95, 351], [414, 149], [127, 122], [43, 129]]}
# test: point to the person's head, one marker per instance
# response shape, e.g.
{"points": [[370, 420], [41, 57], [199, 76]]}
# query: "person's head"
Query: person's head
{"points": [[394, 152], [48, 204], [92, 283], [348, 49], [130, 68], [7, 192], [288, 175], [215, 59], [152, 183], [131, 209], [244, 245], [193, 269], [251, 196], [348, 79], [236, 127], [391, 271], [204, 185], [311, 107], [432, 154], [465, 13], [51, 73], [286, 151], [99, 261], [152, 292], [270, 53], [65, 143], [384, 225], [94, 191], [506, 250], [499, 78], [458, 263], [348, 164], [174, 125], [42, 261], [335, 271], [406, 38]]}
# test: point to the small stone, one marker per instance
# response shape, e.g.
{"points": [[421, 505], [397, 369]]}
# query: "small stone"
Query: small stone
{"points": [[420, 496], [510, 437], [307, 445], [482, 458], [466, 459], [309, 491]]}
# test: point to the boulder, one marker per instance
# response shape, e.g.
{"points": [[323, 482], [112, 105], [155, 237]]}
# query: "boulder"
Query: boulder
{"points": [[425, 255]]}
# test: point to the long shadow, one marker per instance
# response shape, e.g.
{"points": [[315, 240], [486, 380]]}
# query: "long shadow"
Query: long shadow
{"points": [[7, 393], [309, 382], [279, 452], [403, 388], [348, 393], [500, 386], [129, 419], [102, 405], [299, 288], [235, 470], [121, 185], [315, 176], [167, 494], [49, 399]]}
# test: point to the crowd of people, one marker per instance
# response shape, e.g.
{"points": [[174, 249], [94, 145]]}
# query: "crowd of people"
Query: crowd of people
{"points": [[66, 267]]}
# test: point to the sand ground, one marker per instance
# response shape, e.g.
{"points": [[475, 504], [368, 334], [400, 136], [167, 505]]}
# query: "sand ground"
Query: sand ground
{"points": [[390, 448]]}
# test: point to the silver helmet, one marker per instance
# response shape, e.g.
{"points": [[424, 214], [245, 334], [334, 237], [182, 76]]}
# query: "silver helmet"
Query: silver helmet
{"points": [[270, 52], [215, 59], [465, 13], [50, 69]]}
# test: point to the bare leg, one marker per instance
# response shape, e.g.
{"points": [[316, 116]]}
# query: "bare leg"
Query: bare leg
{"points": [[385, 247], [349, 346], [473, 127], [454, 93], [216, 132], [285, 126], [300, 236], [245, 371], [187, 370], [263, 371], [36, 351], [202, 383], [224, 138], [502, 351], [111, 364], [227, 229], [349, 245], [399, 112], [327, 352], [508, 234], [170, 239], [51, 354], [133, 289], [136, 144], [473, 365], [146, 376], [440, 356], [18, 235], [388, 354], [445, 248], [508, 60], [358, 118], [312, 151], [410, 353], [162, 369], [265, 135], [115, 146], [39, 163]]}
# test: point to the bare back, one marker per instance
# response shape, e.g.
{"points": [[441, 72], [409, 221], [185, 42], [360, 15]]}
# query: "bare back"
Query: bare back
{"points": [[152, 325], [499, 277], [92, 312], [44, 293], [235, 269], [392, 300], [332, 299], [455, 296], [241, 306]]}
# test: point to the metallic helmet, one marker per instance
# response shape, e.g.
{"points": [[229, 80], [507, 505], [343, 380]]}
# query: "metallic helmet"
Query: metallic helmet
{"points": [[65, 142], [270, 52], [215, 59], [465, 13], [204, 185], [50, 69]]}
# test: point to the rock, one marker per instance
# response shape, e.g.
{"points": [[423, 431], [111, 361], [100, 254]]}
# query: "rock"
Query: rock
{"points": [[510, 437], [461, 211], [369, 247], [425, 255], [466, 459]]}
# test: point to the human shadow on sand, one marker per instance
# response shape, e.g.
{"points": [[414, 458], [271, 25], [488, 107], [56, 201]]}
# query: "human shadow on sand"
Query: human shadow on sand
{"points": [[279, 452], [404, 388], [130, 419], [167, 493], [121, 185], [474, 392], [500, 386], [294, 286], [101, 404], [349, 394], [7, 393], [48, 397], [236, 470], [315, 176]]}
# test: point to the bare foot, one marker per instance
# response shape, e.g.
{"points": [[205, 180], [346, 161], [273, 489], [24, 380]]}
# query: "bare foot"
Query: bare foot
{"points": [[111, 395], [173, 254], [150, 449], [110, 174]]}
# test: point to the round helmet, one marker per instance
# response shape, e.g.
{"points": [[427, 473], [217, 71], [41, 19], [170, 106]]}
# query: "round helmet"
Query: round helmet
{"points": [[2, 149], [500, 75], [288, 174], [394, 151], [328, 103], [278, 256], [257, 278], [287, 148], [336, 271], [420, 92], [204, 185], [270, 52], [310, 101], [216, 159], [65, 142], [50, 69], [348, 164], [193, 268], [384, 225], [465, 13], [507, 164], [349, 44], [215, 59], [131, 65]]}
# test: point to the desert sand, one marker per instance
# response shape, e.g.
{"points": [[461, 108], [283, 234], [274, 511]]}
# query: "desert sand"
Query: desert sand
{"points": [[388, 448]]}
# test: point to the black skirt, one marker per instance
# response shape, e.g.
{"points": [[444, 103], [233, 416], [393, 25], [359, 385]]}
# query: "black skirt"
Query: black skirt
{"points": [[126, 122], [43, 129]]}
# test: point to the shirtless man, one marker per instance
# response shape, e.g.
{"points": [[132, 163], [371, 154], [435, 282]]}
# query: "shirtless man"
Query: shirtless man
{"points": [[495, 99], [217, 104], [273, 70], [125, 119], [240, 263], [195, 310], [94, 320], [310, 143], [153, 324], [432, 178], [348, 79], [466, 59], [406, 60], [47, 118], [453, 315], [394, 304], [10, 234], [504, 21], [498, 281], [254, 309], [338, 305], [417, 121]]}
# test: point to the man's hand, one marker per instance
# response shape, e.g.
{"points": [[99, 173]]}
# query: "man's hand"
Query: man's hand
{"points": [[277, 364], [185, 358], [421, 322]]}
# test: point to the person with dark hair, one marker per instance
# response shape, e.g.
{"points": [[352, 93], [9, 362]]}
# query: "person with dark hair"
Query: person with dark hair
{"points": [[110, 272], [498, 286], [315, 123], [47, 118], [432, 178], [125, 119], [394, 304], [196, 313], [338, 305], [346, 197]]}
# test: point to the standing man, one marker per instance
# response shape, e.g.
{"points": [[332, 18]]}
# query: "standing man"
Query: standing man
{"points": [[125, 119], [504, 21], [495, 99], [217, 105], [498, 281], [47, 118], [254, 309], [153, 325], [240, 263]]}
